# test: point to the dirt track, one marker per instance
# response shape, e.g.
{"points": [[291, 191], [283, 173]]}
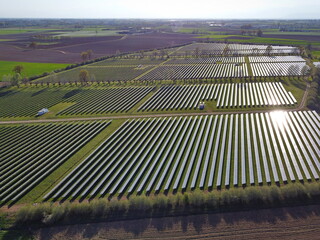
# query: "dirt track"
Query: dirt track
{"points": [[283, 223]]}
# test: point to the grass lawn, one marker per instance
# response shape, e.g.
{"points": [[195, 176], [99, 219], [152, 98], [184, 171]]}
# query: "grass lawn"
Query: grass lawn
{"points": [[29, 69]]}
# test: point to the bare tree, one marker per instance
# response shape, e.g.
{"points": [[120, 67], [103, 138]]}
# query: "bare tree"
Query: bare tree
{"points": [[154, 54], [304, 70], [90, 53], [197, 52], [291, 70], [141, 54], [118, 53], [226, 50], [33, 45], [84, 56], [83, 76], [269, 50], [162, 53]]}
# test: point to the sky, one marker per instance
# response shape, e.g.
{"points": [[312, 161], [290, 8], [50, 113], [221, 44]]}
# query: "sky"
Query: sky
{"points": [[169, 9]]}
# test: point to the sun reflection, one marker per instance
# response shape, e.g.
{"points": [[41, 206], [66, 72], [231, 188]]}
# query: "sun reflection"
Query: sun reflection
{"points": [[278, 117]]}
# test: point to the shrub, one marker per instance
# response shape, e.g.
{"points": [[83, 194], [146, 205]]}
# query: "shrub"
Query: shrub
{"points": [[186, 199], [274, 194], [289, 192], [34, 213], [253, 196], [176, 200], [160, 202], [197, 199], [225, 198], [301, 191], [313, 189], [117, 206], [78, 211], [212, 200], [237, 196], [58, 214], [140, 203], [99, 207]]}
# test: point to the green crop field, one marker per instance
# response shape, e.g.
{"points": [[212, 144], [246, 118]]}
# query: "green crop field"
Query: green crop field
{"points": [[293, 33], [316, 54], [252, 39], [29, 69], [7, 31]]}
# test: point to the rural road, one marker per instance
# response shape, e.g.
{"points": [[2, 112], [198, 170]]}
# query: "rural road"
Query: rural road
{"points": [[300, 107]]}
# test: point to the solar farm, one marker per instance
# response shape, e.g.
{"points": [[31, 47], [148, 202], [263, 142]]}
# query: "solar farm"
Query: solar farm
{"points": [[228, 95], [136, 126], [32, 160], [174, 154]]}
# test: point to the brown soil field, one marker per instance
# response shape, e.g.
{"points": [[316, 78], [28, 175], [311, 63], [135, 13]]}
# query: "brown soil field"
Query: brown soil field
{"points": [[68, 50], [12, 53], [133, 43], [282, 223], [64, 41]]}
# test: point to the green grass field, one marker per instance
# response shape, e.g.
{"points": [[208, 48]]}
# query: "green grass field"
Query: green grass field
{"points": [[29, 69], [260, 40], [316, 54], [8, 31]]}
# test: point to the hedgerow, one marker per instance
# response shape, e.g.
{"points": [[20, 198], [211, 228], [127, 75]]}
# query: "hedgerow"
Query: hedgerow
{"points": [[174, 204]]}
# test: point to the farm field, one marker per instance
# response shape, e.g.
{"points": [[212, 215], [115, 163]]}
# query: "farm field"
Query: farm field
{"points": [[228, 95], [26, 102], [9, 31], [173, 154], [29, 69], [68, 49], [26, 161]]}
